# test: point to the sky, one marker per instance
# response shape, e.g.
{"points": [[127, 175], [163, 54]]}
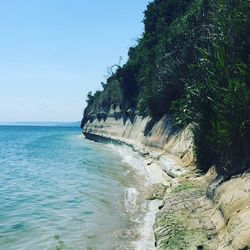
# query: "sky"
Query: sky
{"points": [[53, 52]]}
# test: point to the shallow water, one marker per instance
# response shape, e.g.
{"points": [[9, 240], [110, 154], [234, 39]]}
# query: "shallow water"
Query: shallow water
{"points": [[60, 191]]}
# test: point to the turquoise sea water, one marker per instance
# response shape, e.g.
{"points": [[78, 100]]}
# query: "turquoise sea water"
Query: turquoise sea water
{"points": [[60, 191]]}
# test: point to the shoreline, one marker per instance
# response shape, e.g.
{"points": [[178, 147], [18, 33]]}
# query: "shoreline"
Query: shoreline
{"points": [[197, 210], [153, 158], [155, 178]]}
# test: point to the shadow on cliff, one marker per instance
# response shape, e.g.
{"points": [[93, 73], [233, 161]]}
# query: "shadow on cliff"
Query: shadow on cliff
{"points": [[167, 125]]}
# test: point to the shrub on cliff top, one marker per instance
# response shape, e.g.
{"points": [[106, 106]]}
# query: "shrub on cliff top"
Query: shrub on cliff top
{"points": [[193, 60]]}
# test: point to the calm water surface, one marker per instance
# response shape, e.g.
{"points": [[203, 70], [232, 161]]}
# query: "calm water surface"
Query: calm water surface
{"points": [[60, 191]]}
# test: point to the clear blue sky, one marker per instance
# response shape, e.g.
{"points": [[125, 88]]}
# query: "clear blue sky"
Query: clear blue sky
{"points": [[53, 52]]}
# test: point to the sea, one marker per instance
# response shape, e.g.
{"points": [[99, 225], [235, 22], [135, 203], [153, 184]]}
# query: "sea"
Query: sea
{"points": [[60, 191]]}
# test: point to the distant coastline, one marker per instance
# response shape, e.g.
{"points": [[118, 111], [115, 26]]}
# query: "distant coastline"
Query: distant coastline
{"points": [[46, 124]]}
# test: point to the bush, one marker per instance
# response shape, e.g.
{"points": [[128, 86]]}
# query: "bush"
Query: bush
{"points": [[192, 61]]}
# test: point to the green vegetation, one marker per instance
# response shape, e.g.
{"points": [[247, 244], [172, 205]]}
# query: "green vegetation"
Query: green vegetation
{"points": [[183, 187], [192, 62]]}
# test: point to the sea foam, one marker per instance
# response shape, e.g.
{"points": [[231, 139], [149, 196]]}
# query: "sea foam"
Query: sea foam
{"points": [[148, 208], [130, 202]]}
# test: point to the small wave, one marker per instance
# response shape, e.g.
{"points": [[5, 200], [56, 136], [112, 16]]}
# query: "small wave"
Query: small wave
{"points": [[151, 175], [130, 157], [147, 239], [130, 202]]}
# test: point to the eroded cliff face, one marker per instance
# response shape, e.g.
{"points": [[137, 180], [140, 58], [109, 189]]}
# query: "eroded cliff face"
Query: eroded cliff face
{"points": [[197, 212], [133, 129], [232, 199]]}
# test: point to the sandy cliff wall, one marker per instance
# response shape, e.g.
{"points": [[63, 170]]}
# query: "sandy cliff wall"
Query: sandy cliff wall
{"points": [[152, 133], [232, 199], [188, 219]]}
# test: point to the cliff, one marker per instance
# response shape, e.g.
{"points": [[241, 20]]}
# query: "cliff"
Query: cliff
{"points": [[149, 132], [198, 211], [190, 66]]}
